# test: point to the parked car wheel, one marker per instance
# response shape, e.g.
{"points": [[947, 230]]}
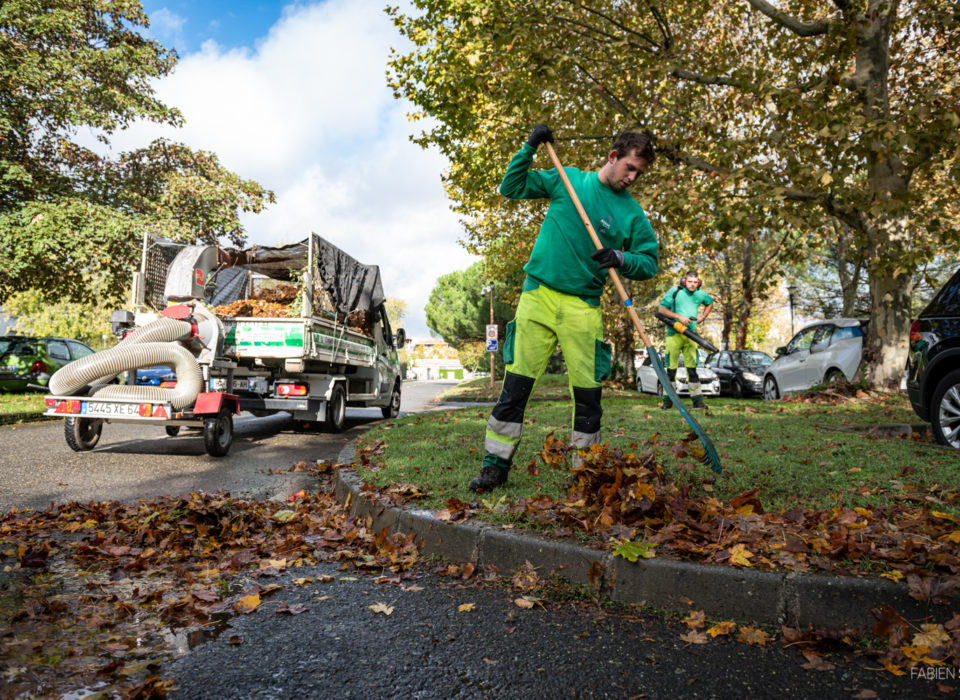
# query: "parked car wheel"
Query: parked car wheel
{"points": [[736, 389], [173, 430], [82, 433], [771, 392], [336, 410], [218, 434], [945, 410], [393, 409], [833, 376]]}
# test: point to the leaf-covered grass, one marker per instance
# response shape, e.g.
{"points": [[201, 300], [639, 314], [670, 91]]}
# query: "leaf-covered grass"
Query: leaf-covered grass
{"points": [[21, 403], [785, 449], [549, 386]]}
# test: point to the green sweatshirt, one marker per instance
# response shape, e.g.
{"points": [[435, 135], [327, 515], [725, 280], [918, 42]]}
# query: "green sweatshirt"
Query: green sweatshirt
{"points": [[685, 303], [561, 256]]}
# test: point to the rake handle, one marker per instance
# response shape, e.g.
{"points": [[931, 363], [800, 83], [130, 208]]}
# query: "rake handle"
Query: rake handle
{"points": [[624, 297]]}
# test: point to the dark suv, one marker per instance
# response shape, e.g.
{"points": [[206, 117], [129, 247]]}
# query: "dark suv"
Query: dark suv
{"points": [[933, 364]]}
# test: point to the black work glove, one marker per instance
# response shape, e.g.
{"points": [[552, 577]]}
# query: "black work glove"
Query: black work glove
{"points": [[540, 134], [608, 257]]}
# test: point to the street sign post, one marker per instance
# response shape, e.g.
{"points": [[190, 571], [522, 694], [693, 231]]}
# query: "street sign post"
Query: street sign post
{"points": [[492, 338]]}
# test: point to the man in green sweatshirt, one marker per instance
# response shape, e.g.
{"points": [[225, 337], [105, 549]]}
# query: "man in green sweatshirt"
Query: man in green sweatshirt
{"points": [[560, 299], [682, 303]]}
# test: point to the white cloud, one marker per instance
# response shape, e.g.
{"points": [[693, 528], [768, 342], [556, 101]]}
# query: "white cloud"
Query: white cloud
{"points": [[307, 113], [167, 26]]}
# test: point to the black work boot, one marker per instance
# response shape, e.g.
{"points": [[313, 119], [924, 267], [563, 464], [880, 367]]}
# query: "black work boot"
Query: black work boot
{"points": [[667, 403], [698, 402], [493, 473]]}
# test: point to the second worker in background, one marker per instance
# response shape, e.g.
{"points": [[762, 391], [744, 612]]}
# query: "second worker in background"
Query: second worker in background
{"points": [[560, 298], [683, 303]]}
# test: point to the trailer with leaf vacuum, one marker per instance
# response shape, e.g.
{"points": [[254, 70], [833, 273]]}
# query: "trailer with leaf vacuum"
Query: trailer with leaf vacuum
{"points": [[300, 328]]}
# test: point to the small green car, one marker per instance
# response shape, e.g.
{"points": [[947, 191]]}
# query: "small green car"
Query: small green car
{"points": [[25, 360]]}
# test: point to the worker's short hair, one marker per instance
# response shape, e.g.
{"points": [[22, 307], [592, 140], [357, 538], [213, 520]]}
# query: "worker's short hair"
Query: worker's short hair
{"points": [[641, 144], [692, 273]]}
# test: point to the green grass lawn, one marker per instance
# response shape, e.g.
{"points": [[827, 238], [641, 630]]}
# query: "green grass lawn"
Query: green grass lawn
{"points": [[784, 448], [21, 403]]}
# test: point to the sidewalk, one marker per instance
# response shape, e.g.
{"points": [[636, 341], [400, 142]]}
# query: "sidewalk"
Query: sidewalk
{"points": [[772, 598]]}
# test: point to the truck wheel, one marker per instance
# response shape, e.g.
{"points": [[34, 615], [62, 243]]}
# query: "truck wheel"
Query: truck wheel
{"points": [[82, 433], [336, 410], [173, 430], [393, 410], [945, 410], [218, 434]]}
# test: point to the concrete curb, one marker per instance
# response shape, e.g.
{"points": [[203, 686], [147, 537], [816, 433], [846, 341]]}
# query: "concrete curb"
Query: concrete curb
{"points": [[744, 595]]}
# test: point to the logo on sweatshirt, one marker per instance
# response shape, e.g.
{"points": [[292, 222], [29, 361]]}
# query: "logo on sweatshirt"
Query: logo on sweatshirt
{"points": [[606, 224]]}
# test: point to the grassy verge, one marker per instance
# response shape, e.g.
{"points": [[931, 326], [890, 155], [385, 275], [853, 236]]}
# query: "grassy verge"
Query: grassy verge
{"points": [[785, 449], [26, 404], [550, 386]]}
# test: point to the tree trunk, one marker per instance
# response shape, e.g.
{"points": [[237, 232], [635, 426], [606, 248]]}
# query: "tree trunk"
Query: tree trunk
{"points": [[746, 310], [891, 288], [727, 327], [622, 336]]}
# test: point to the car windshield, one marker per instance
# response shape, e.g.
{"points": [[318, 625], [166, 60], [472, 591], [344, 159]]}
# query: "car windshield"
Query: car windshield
{"points": [[751, 359], [14, 345]]}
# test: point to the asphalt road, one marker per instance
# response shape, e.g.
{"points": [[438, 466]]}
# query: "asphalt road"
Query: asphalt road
{"points": [[428, 648], [133, 461]]}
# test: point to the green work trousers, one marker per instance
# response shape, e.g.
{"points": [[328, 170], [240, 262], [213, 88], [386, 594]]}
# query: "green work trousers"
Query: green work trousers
{"points": [[546, 318]]}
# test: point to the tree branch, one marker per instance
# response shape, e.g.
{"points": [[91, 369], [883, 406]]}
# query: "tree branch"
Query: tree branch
{"points": [[797, 26]]}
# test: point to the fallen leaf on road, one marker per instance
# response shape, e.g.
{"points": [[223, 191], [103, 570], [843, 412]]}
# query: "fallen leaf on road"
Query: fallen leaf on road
{"points": [[322, 598], [865, 694], [323, 579], [302, 581], [753, 635], [491, 661], [931, 636], [247, 604], [466, 607], [381, 608], [694, 637], [294, 609], [695, 620], [284, 516], [722, 628], [524, 603], [816, 662], [412, 588]]}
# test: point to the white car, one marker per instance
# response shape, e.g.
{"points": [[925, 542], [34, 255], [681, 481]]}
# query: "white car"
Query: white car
{"points": [[647, 381], [820, 353]]}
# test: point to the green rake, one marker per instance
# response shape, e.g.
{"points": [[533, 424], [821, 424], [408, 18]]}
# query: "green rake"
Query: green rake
{"points": [[710, 456]]}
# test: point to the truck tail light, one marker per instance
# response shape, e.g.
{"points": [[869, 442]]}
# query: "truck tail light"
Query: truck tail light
{"points": [[291, 389], [38, 367]]}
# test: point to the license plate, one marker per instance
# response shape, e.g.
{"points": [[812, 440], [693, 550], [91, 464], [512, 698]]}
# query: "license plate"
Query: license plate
{"points": [[104, 408], [8, 370]]}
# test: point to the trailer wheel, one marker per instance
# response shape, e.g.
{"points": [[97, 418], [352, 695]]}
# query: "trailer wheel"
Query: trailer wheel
{"points": [[82, 433], [336, 410], [218, 434], [173, 430], [393, 409]]}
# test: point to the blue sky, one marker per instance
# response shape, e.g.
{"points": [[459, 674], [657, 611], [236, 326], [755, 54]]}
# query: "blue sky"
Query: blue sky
{"points": [[186, 24], [295, 97]]}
